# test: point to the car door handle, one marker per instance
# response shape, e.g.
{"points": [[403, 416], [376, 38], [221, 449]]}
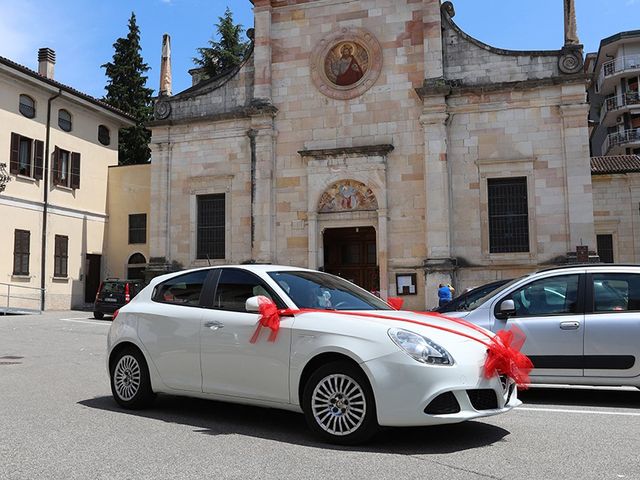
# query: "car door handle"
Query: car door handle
{"points": [[214, 325], [573, 325]]}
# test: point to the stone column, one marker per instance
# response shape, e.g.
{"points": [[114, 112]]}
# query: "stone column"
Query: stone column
{"points": [[438, 265], [165, 67], [263, 132], [262, 50], [575, 137], [570, 23], [383, 252]]}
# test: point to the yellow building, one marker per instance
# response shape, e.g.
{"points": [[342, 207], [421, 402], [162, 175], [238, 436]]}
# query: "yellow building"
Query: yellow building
{"points": [[57, 145], [128, 204]]}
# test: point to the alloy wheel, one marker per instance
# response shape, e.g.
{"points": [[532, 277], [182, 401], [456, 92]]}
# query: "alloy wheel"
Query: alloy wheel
{"points": [[126, 377], [339, 405]]}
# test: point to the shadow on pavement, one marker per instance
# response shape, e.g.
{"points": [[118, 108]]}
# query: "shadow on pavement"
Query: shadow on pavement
{"points": [[581, 397], [217, 418]]}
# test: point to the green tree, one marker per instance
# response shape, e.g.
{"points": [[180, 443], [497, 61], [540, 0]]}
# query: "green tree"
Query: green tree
{"points": [[127, 91], [225, 54]]}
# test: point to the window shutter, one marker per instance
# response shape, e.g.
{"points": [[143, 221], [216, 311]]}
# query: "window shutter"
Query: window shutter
{"points": [[37, 159], [56, 166], [75, 170], [14, 154]]}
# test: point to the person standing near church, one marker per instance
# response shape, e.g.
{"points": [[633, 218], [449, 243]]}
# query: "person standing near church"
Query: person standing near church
{"points": [[444, 294]]}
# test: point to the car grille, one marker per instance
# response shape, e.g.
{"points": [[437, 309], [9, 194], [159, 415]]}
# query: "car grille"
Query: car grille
{"points": [[483, 399], [443, 404]]}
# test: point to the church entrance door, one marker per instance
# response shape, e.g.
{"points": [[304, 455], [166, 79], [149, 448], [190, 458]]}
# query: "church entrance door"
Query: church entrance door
{"points": [[351, 253]]}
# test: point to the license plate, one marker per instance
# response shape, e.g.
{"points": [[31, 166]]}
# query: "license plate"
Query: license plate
{"points": [[110, 300]]}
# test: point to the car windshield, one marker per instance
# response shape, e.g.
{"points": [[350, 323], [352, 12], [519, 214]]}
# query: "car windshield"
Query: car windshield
{"points": [[113, 287], [323, 291], [462, 302], [475, 304]]}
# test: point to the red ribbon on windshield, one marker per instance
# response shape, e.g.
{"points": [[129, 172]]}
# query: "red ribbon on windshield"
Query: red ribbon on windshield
{"points": [[503, 349]]}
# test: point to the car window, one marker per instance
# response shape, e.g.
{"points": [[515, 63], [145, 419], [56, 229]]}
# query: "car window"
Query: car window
{"points": [[477, 302], [112, 287], [181, 290], [615, 292], [463, 301], [324, 291], [236, 286], [547, 296]]}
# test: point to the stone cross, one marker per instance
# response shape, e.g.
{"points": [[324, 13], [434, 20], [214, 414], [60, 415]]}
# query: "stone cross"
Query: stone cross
{"points": [[570, 24], [165, 66]]}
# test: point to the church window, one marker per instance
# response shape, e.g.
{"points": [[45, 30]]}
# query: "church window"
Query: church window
{"points": [[211, 226], [508, 215]]}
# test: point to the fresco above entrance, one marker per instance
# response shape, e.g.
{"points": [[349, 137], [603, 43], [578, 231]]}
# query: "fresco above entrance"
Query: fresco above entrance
{"points": [[347, 196]]}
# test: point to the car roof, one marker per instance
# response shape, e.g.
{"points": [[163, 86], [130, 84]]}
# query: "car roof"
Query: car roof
{"points": [[594, 266]]}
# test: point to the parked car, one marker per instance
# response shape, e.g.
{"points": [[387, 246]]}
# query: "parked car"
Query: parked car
{"points": [[114, 293], [195, 333], [462, 302], [582, 323]]}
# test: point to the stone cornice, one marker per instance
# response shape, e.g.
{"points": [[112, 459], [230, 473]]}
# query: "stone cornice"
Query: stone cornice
{"points": [[444, 87], [245, 112], [365, 150]]}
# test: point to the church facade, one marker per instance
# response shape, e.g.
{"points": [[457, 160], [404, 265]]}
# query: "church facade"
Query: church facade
{"points": [[378, 141]]}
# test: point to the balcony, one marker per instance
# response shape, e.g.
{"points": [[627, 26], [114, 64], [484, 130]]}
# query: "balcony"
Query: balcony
{"points": [[615, 143], [616, 67], [618, 104]]}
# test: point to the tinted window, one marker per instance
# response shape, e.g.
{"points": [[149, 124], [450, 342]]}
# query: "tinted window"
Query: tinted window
{"points": [[112, 287], [548, 296], [615, 292], [236, 286], [321, 290], [182, 290]]}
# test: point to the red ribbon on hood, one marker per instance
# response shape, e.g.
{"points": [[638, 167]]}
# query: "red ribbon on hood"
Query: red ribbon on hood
{"points": [[503, 349]]}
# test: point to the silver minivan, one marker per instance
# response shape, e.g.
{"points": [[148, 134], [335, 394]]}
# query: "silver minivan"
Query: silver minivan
{"points": [[582, 322]]}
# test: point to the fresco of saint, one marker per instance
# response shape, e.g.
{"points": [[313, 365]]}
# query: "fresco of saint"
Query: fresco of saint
{"points": [[345, 69]]}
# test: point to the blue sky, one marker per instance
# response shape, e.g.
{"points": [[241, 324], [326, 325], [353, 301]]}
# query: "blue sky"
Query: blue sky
{"points": [[82, 32]]}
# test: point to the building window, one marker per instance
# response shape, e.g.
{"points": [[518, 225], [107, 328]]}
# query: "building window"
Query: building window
{"points": [[61, 256], [21, 245], [136, 267], [66, 168], [138, 228], [27, 106], [211, 220], [64, 120], [104, 136], [605, 248], [25, 157], [508, 215]]}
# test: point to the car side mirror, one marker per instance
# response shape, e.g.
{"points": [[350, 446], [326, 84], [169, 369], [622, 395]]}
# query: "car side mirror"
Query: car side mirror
{"points": [[252, 305], [506, 309]]}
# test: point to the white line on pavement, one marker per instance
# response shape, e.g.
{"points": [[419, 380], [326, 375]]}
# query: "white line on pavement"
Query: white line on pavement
{"points": [[592, 412], [84, 320]]}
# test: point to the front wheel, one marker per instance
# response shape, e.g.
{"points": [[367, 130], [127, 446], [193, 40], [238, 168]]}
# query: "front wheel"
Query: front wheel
{"points": [[130, 383], [339, 405]]}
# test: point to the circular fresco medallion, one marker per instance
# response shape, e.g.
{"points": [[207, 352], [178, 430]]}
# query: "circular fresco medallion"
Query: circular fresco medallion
{"points": [[346, 64]]}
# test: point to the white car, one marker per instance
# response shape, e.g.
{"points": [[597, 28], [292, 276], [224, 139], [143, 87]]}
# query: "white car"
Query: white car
{"points": [[190, 333]]}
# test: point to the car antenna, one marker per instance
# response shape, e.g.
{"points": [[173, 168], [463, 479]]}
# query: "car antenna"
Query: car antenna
{"points": [[208, 259]]}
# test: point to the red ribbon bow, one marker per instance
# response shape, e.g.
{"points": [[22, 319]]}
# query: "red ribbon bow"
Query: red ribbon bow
{"points": [[269, 318], [504, 357], [395, 302]]}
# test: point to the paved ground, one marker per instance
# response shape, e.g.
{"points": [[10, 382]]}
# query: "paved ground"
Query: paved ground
{"points": [[58, 421]]}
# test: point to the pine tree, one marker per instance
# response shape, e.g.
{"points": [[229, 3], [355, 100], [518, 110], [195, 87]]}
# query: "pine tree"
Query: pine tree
{"points": [[226, 54], [126, 90]]}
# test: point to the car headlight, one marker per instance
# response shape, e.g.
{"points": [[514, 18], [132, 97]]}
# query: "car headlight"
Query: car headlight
{"points": [[420, 348]]}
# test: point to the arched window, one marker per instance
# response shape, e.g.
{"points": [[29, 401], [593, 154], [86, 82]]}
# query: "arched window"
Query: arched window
{"points": [[136, 267], [104, 136], [27, 106], [64, 120]]}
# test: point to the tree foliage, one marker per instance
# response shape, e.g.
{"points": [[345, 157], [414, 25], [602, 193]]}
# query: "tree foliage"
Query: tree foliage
{"points": [[225, 54], [127, 91]]}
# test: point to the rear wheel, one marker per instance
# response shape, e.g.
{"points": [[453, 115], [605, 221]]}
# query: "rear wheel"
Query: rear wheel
{"points": [[130, 383], [98, 315], [339, 405]]}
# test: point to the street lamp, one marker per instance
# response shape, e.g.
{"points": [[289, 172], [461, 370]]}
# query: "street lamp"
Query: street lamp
{"points": [[4, 176]]}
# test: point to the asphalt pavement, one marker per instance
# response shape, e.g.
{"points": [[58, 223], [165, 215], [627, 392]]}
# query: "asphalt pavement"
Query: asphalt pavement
{"points": [[58, 421]]}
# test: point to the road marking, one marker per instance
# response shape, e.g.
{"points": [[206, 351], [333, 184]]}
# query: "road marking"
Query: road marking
{"points": [[563, 410], [84, 320]]}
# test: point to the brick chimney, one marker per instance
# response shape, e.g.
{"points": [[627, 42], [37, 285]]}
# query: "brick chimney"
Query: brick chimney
{"points": [[46, 62]]}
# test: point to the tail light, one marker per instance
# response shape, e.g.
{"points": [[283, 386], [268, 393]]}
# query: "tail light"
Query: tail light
{"points": [[127, 293], [98, 292], [115, 314]]}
